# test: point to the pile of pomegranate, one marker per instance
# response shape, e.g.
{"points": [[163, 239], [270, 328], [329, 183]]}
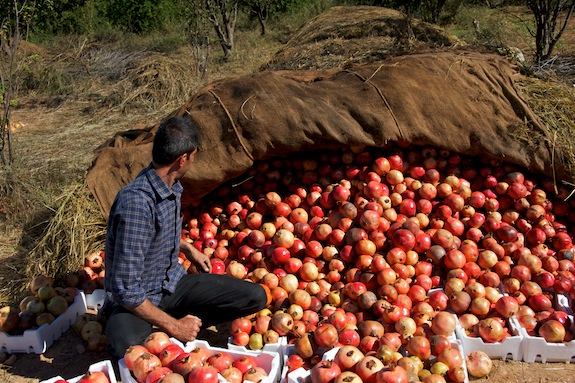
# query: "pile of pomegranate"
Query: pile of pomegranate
{"points": [[158, 359], [386, 249], [91, 276], [43, 304]]}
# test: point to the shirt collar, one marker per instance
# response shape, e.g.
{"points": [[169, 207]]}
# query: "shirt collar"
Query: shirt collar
{"points": [[160, 187]]}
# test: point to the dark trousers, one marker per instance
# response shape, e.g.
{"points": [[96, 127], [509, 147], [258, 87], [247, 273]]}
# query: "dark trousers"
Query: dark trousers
{"points": [[213, 298]]}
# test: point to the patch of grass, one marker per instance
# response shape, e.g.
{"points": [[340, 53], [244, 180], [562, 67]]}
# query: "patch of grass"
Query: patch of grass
{"points": [[486, 28], [476, 25], [160, 41]]}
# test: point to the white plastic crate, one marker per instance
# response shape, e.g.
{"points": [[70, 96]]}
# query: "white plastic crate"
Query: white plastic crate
{"points": [[290, 350], [302, 375], [510, 348], [278, 347], [104, 366], [298, 376], [537, 349], [564, 302], [39, 340], [95, 301], [269, 361]]}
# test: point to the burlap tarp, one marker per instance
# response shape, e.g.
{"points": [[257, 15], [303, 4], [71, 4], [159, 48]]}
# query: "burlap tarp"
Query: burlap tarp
{"points": [[461, 101]]}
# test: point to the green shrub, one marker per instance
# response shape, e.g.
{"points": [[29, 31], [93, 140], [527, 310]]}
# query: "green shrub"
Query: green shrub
{"points": [[140, 16]]}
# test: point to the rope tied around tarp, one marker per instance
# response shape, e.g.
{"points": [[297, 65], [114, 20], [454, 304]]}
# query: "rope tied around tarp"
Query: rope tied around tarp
{"points": [[233, 125], [387, 105]]}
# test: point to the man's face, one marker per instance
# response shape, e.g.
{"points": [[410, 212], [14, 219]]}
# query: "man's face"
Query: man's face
{"points": [[189, 159]]}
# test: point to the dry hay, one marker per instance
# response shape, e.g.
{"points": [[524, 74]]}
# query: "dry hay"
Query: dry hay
{"points": [[26, 49], [75, 230], [154, 83], [110, 77], [345, 35], [141, 81], [553, 102]]}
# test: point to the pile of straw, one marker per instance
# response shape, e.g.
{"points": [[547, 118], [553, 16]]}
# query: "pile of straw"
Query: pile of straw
{"points": [[76, 230], [344, 35], [553, 101]]}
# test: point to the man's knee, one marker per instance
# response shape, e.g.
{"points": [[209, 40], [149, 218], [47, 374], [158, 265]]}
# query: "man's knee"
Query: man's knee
{"points": [[123, 331]]}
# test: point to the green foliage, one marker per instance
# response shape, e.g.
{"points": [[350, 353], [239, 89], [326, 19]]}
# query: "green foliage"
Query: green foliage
{"points": [[139, 16], [88, 16], [6, 7], [195, 14], [8, 11], [297, 12], [394, 4], [63, 16], [292, 6], [439, 11]]}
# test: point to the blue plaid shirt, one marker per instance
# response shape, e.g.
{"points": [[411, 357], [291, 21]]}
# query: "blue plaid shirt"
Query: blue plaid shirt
{"points": [[143, 241]]}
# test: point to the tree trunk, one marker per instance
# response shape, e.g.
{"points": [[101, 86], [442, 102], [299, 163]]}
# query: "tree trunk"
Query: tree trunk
{"points": [[547, 15], [9, 43], [223, 16], [262, 19]]}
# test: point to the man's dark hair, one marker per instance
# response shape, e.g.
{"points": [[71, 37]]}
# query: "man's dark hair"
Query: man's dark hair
{"points": [[175, 136]]}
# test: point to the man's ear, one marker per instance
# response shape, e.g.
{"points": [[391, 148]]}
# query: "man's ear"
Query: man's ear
{"points": [[178, 163], [181, 160]]}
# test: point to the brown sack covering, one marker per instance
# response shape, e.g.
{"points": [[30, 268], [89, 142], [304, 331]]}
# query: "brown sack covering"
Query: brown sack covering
{"points": [[461, 101]]}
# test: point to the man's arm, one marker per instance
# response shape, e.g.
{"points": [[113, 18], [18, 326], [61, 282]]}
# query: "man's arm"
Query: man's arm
{"points": [[199, 259], [184, 329]]}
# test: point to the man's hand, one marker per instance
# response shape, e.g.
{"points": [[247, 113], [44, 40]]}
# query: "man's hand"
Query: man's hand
{"points": [[198, 259], [186, 329]]}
